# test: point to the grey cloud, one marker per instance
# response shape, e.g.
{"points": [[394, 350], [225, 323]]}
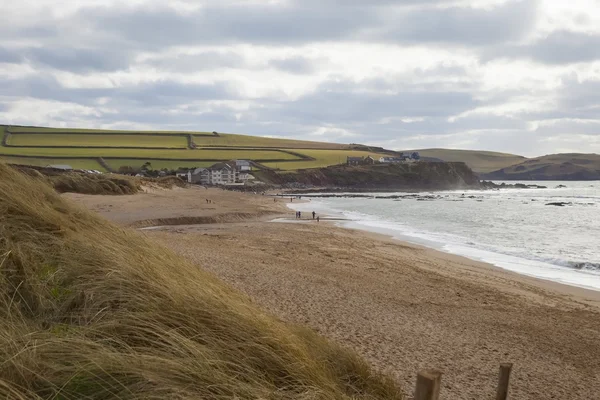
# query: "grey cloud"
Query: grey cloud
{"points": [[78, 60], [199, 62], [462, 25], [160, 93], [294, 65], [562, 47], [156, 27], [10, 56], [349, 103], [300, 23]]}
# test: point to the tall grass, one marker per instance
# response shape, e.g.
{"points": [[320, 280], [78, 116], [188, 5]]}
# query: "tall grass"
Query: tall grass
{"points": [[90, 310]]}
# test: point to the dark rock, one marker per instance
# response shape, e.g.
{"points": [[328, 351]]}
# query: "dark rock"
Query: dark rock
{"points": [[559, 204]]}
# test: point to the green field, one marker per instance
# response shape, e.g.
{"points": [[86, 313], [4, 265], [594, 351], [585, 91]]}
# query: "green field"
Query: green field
{"points": [[92, 131], [167, 149], [158, 164], [52, 139], [322, 158], [43, 162]]}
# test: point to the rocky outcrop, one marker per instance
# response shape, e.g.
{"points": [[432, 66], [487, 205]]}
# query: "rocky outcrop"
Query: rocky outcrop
{"points": [[419, 176]]}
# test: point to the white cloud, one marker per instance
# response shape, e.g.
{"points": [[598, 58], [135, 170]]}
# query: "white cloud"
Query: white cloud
{"points": [[512, 75]]}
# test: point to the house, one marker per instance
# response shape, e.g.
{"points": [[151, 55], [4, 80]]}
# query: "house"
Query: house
{"points": [[60, 166], [243, 165], [354, 160], [369, 160], [223, 174], [199, 176]]}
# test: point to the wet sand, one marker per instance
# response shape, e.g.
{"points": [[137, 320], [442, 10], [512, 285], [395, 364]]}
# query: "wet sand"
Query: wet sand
{"points": [[401, 306]]}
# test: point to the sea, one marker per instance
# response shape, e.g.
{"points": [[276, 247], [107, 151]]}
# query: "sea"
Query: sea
{"points": [[551, 233]]}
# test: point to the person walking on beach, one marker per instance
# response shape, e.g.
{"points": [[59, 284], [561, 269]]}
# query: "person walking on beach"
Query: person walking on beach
{"points": [[317, 219], [314, 215], [299, 214]]}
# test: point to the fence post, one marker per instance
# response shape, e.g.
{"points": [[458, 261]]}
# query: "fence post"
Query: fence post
{"points": [[428, 385], [502, 392]]}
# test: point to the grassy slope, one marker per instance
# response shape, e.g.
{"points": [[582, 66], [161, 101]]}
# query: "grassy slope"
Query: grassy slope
{"points": [[478, 161], [587, 166], [323, 158], [91, 310], [326, 153], [50, 139], [43, 162]]}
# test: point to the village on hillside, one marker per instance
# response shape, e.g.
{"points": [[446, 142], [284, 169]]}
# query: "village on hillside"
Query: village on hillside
{"points": [[235, 172]]}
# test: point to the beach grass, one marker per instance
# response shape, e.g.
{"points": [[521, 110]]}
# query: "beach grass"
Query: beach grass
{"points": [[91, 310]]}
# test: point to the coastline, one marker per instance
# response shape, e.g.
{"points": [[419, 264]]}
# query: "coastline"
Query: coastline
{"points": [[402, 306], [539, 270]]}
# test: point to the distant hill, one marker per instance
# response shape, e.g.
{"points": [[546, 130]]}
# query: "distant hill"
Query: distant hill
{"points": [[568, 166], [109, 150], [479, 161]]}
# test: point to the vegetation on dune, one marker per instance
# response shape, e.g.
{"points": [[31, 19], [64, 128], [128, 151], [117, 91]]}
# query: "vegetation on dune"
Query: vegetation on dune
{"points": [[78, 182], [91, 310]]}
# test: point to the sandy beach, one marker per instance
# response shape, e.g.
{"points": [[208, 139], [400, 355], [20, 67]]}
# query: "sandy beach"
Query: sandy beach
{"points": [[401, 306]]}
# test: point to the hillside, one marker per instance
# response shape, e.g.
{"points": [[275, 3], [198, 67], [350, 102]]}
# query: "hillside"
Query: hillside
{"points": [[423, 175], [96, 311], [106, 150], [478, 161], [568, 166]]}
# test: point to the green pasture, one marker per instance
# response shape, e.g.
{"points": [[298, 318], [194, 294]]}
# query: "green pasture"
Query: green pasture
{"points": [[42, 162], [153, 153], [257, 141], [52, 139], [158, 164], [323, 158], [84, 131]]}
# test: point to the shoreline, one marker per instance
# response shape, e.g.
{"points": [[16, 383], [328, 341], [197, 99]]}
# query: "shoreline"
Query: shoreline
{"points": [[407, 240], [403, 307]]}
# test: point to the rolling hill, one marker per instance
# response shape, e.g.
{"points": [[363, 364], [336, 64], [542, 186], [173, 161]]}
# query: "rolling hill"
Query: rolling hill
{"points": [[479, 161], [568, 166], [109, 150]]}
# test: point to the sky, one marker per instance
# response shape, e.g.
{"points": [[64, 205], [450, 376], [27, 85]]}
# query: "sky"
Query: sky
{"points": [[518, 76]]}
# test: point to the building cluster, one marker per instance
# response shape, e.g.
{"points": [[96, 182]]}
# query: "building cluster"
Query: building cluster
{"points": [[234, 172], [402, 158]]}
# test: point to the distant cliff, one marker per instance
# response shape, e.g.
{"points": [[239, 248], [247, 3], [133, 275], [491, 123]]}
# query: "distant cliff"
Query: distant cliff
{"points": [[557, 167], [416, 176]]}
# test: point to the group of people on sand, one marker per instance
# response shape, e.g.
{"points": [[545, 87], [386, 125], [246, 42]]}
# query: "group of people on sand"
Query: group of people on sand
{"points": [[314, 215]]}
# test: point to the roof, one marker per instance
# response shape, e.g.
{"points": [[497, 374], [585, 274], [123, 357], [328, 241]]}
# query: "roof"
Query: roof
{"points": [[242, 162], [59, 166], [220, 165], [355, 158], [199, 170]]}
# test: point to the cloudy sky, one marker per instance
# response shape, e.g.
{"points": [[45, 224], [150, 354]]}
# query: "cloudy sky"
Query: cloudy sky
{"points": [[520, 76]]}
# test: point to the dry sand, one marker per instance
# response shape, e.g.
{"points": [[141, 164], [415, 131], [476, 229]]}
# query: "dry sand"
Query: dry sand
{"points": [[400, 306]]}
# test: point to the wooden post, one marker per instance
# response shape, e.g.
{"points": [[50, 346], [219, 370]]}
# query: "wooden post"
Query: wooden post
{"points": [[428, 385], [502, 392]]}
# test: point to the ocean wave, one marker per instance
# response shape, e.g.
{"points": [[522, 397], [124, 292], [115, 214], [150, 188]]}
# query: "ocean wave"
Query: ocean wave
{"points": [[584, 266]]}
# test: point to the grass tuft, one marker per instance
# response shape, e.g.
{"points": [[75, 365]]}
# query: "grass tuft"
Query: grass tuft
{"points": [[89, 310]]}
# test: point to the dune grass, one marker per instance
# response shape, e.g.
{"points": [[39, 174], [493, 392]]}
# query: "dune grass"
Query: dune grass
{"points": [[91, 310]]}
